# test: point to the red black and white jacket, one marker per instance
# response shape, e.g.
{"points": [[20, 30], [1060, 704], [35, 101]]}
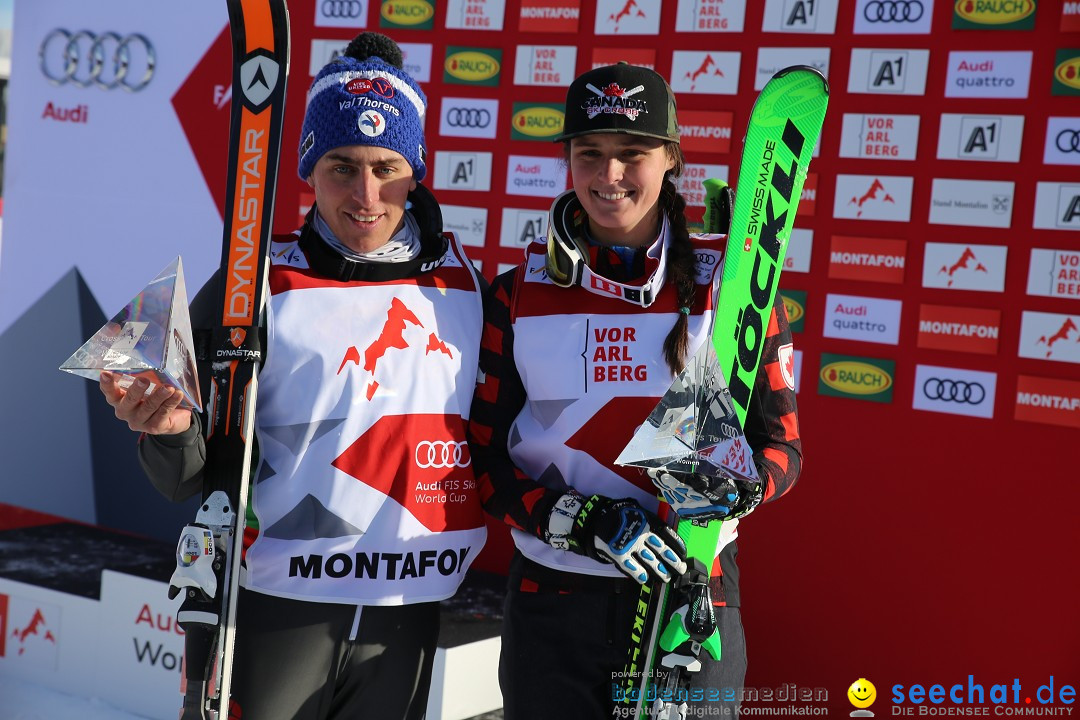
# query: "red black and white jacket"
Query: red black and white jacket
{"points": [[568, 376]]}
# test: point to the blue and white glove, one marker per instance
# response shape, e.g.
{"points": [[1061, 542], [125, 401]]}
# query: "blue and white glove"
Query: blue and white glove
{"points": [[621, 532], [693, 495]]}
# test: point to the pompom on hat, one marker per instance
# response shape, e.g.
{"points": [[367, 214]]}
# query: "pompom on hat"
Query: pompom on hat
{"points": [[364, 97]]}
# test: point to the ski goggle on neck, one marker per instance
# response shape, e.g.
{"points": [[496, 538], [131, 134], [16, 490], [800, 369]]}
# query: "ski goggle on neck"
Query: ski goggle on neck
{"points": [[568, 255]]}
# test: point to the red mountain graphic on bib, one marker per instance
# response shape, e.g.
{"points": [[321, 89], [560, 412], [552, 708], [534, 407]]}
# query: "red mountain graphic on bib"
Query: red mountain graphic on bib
{"points": [[392, 336]]}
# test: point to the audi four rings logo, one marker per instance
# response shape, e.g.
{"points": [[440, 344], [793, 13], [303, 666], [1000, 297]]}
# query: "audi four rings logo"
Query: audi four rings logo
{"points": [[1068, 140], [468, 117], [705, 258], [442, 454], [893, 11], [956, 391], [108, 60], [342, 8]]}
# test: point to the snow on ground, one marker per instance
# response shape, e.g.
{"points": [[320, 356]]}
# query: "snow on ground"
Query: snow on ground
{"points": [[24, 700]]}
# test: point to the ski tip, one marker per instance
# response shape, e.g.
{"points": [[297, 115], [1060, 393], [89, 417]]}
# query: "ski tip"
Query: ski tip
{"points": [[805, 68]]}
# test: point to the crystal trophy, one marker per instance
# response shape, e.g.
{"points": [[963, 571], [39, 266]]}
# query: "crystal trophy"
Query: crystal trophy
{"points": [[150, 338], [693, 428]]}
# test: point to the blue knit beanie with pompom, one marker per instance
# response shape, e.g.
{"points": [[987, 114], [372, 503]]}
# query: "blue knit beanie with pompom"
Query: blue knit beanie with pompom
{"points": [[365, 97]]}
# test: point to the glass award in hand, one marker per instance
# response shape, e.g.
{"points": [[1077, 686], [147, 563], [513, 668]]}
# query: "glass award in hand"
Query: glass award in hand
{"points": [[150, 337], [693, 428]]}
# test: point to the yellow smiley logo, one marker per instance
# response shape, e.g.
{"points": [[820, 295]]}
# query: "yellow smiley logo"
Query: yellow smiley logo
{"points": [[862, 693]]}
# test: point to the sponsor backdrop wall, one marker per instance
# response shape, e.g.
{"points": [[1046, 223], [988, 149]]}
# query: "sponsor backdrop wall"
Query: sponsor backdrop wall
{"points": [[933, 279]]}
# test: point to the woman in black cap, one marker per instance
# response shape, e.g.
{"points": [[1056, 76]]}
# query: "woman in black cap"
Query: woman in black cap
{"points": [[580, 342]]}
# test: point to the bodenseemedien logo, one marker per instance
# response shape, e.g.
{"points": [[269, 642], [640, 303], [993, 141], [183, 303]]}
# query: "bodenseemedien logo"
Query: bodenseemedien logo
{"points": [[862, 694]]}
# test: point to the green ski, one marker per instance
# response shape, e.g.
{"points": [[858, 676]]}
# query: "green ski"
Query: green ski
{"points": [[675, 622]]}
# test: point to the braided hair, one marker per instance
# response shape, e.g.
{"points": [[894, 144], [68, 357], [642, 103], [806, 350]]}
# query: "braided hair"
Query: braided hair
{"points": [[681, 262]]}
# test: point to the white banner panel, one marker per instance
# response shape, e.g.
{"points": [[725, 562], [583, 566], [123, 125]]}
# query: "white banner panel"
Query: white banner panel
{"points": [[888, 71], [879, 136], [105, 179], [799, 251], [893, 17], [771, 60], [800, 16], [462, 170], [535, 176], [1050, 336], [469, 117], [958, 266], [1054, 273], [980, 137], [1062, 141], [873, 197], [714, 72], [469, 224], [955, 391], [988, 74], [1057, 206], [521, 227], [696, 16], [868, 319], [979, 203], [139, 641]]}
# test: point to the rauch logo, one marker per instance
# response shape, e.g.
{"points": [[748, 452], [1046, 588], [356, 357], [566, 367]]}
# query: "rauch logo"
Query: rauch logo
{"points": [[861, 378], [538, 121], [472, 66], [1068, 72], [995, 12], [407, 12], [794, 309]]}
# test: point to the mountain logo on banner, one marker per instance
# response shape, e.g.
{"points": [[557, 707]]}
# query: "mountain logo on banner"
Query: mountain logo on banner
{"points": [[150, 337]]}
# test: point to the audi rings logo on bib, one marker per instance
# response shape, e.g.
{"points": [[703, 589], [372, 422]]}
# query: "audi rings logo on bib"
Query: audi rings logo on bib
{"points": [[106, 60], [442, 454], [893, 11]]}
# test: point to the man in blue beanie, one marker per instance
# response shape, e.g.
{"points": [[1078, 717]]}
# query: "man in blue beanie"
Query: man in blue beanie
{"points": [[364, 509]]}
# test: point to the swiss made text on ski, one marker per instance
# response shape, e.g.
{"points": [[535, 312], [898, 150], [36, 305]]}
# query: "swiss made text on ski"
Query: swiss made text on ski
{"points": [[675, 623], [208, 554]]}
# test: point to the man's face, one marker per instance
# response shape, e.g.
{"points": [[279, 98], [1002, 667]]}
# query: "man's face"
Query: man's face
{"points": [[360, 191]]}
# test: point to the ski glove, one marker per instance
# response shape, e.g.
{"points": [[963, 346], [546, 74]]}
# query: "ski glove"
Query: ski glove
{"points": [[621, 532], [693, 495]]}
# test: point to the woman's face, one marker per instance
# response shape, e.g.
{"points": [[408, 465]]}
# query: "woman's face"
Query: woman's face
{"points": [[618, 177]]}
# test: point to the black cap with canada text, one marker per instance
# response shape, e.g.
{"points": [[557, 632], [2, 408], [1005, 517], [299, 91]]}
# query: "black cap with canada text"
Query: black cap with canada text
{"points": [[620, 98]]}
